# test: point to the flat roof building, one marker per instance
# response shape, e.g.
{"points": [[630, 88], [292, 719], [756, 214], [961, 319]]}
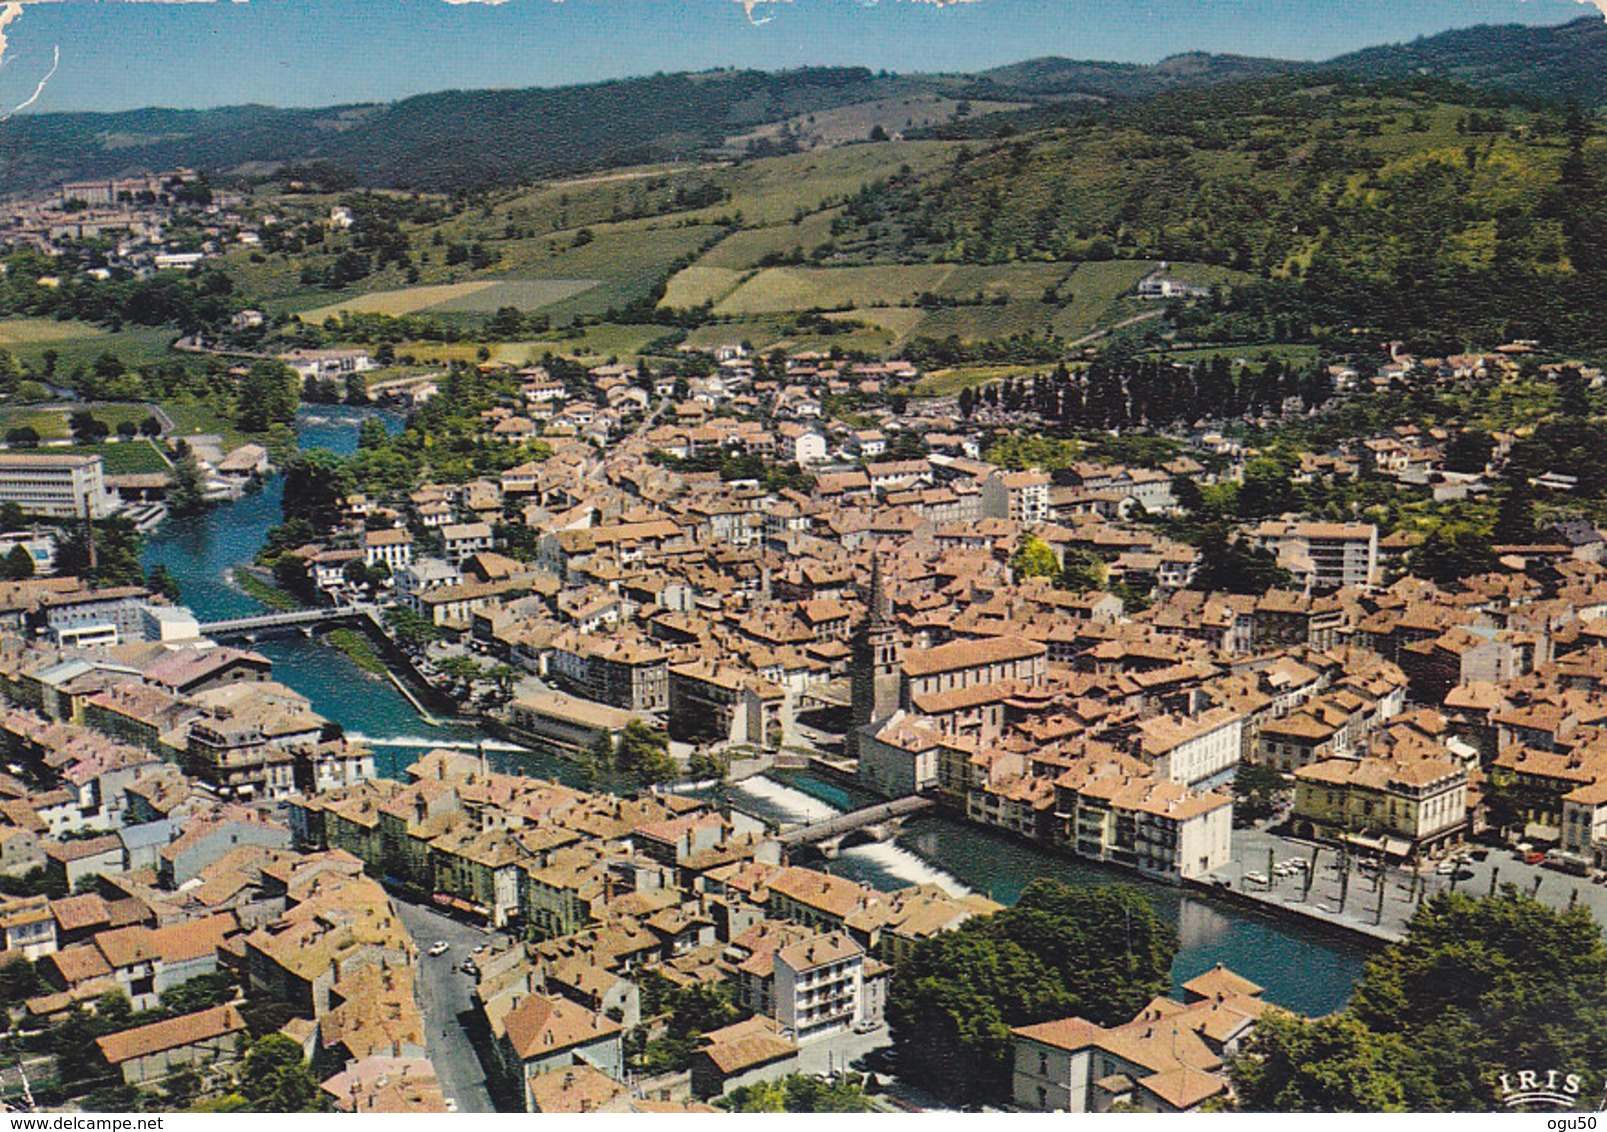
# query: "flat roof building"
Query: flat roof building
{"points": [[59, 487]]}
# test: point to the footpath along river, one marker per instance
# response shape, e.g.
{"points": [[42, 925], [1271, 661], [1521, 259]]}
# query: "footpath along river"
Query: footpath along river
{"points": [[1306, 971]]}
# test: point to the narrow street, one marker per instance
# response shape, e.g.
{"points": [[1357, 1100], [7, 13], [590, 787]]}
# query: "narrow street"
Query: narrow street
{"points": [[444, 995]]}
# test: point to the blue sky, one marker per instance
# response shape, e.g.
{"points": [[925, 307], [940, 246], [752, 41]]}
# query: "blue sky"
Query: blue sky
{"points": [[320, 52]]}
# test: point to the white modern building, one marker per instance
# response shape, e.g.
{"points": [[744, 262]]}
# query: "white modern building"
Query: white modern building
{"points": [[57, 486]]}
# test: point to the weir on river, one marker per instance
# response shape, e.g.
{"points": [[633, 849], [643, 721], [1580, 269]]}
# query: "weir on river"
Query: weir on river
{"points": [[1302, 970]]}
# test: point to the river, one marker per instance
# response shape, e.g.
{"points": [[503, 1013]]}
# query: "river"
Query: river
{"points": [[1305, 971]]}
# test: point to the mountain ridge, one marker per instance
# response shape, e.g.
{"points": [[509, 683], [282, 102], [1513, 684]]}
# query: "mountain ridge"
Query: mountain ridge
{"points": [[460, 140]]}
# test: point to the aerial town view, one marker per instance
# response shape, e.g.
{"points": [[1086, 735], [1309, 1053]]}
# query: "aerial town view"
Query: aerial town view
{"points": [[728, 556]]}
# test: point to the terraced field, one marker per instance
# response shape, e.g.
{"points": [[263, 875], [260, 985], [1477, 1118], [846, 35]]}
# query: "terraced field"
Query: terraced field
{"points": [[525, 294], [778, 289], [411, 300], [698, 284]]}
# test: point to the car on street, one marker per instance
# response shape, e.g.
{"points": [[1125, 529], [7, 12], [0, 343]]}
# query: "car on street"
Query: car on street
{"points": [[440, 947], [1256, 878], [469, 967]]}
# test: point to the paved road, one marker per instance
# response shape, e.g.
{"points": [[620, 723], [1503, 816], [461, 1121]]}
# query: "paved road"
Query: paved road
{"points": [[840, 1051], [444, 991]]}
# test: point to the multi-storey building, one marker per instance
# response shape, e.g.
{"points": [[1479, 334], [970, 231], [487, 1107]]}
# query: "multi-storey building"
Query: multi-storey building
{"points": [[820, 985]]}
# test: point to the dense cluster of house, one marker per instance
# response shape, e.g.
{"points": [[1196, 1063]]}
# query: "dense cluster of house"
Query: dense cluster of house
{"points": [[886, 603], [162, 698], [608, 889], [134, 214]]}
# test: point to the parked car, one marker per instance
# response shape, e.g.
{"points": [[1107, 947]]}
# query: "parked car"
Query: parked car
{"points": [[1257, 878], [469, 967], [1534, 857]]}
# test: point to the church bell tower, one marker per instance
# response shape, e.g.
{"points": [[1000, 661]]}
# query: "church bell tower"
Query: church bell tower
{"points": [[876, 662]]}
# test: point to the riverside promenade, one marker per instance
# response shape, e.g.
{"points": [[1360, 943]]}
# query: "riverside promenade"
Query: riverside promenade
{"points": [[1377, 905]]}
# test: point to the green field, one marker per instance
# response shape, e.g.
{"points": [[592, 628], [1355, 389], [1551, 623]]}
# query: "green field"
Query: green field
{"points": [[1095, 289], [1281, 351], [42, 332], [523, 294], [974, 324], [604, 340], [50, 421], [992, 301], [772, 191], [947, 382], [193, 418], [699, 284], [897, 321], [79, 343], [778, 289], [743, 249], [131, 457], [395, 303]]}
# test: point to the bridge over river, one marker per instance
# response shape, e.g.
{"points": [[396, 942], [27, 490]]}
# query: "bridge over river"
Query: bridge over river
{"points": [[290, 619], [878, 822]]}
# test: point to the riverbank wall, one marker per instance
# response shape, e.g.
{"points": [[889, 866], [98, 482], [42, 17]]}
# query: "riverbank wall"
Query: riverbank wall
{"points": [[1347, 927]]}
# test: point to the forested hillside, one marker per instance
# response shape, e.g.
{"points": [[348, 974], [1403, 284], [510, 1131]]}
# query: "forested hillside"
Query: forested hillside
{"points": [[1401, 209], [1566, 62], [467, 140]]}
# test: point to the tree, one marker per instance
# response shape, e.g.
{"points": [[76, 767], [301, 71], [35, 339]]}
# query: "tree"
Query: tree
{"points": [[412, 629], [12, 516], [186, 492], [1332, 1065], [1082, 571], [1268, 487], [162, 582], [642, 755], [1187, 493], [1514, 517], [87, 428], [1453, 551], [276, 1078], [1469, 451], [503, 677], [1099, 953], [951, 1007], [19, 564], [798, 1092], [199, 993], [707, 766], [268, 395], [1235, 567], [1477, 986], [1033, 559], [315, 489], [600, 759], [22, 437], [1257, 788], [19, 981]]}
